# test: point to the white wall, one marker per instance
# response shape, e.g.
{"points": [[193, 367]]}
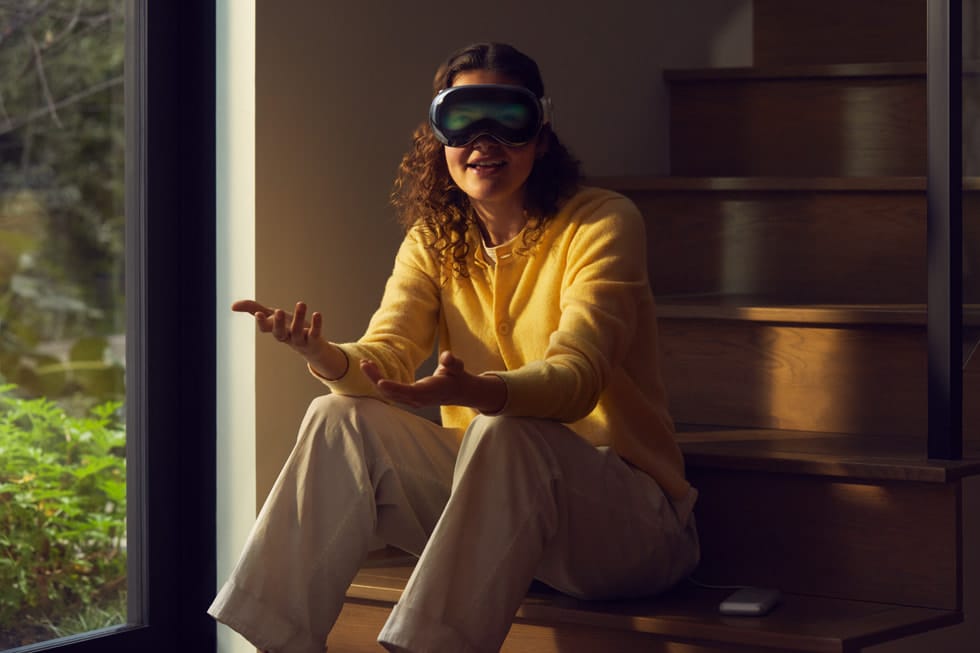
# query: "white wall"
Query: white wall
{"points": [[235, 260], [340, 87]]}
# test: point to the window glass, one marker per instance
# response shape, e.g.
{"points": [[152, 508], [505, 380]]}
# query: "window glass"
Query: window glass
{"points": [[62, 319]]}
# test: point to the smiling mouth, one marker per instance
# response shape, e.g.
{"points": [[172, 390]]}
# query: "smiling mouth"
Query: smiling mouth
{"points": [[485, 165]]}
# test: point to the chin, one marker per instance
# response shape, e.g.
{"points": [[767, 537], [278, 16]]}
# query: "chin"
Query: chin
{"points": [[498, 190]]}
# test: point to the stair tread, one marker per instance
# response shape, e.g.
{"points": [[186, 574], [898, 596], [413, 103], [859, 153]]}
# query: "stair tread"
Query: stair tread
{"points": [[674, 183], [769, 309], [804, 623], [823, 454], [837, 70], [810, 71]]}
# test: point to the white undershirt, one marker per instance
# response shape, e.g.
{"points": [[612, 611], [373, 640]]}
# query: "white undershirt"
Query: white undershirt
{"points": [[492, 252]]}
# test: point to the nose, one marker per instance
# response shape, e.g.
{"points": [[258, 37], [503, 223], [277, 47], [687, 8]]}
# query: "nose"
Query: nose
{"points": [[484, 142]]}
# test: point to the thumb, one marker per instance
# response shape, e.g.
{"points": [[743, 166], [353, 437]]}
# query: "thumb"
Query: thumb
{"points": [[450, 362], [250, 306], [370, 369]]}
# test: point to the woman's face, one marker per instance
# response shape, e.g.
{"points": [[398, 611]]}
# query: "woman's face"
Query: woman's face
{"points": [[490, 173]]}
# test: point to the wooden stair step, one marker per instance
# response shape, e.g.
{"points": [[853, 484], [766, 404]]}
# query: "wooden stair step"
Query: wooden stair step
{"points": [[759, 363], [632, 184], [875, 555], [829, 514], [840, 71], [850, 239], [755, 308], [818, 453], [839, 120], [548, 621], [838, 31]]}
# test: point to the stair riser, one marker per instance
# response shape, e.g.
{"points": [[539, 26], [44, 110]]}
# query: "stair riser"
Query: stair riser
{"points": [[889, 542], [799, 127], [820, 378], [792, 32], [866, 247]]}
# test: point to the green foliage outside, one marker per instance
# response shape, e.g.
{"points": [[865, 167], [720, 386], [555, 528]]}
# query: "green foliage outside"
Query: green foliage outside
{"points": [[62, 318], [62, 512]]}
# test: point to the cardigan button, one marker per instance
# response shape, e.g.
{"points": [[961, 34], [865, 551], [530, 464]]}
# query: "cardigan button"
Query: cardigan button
{"points": [[503, 328]]}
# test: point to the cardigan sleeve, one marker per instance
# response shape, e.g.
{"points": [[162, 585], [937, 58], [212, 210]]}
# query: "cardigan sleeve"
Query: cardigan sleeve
{"points": [[402, 331], [603, 287]]}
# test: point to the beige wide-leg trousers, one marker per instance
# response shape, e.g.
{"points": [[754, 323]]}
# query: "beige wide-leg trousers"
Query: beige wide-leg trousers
{"points": [[521, 498]]}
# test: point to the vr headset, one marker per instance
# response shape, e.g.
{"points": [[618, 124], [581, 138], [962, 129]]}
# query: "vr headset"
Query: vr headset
{"points": [[512, 115]]}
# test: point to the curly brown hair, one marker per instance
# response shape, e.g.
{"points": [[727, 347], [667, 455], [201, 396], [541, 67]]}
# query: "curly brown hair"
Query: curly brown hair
{"points": [[425, 194]]}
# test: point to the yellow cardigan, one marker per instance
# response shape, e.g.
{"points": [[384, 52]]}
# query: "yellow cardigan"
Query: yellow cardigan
{"points": [[569, 325]]}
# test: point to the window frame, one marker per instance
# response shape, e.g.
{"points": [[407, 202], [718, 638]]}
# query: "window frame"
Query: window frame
{"points": [[944, 80], [171, 190]]}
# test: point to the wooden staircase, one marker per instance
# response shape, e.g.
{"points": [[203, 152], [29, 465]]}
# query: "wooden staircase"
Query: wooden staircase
{"points": [[787, 253]]}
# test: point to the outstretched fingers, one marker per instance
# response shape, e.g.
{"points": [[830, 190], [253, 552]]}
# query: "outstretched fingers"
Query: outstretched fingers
{"points": [[316, 325], [266, 319], [297, 328], [294, 329], [249, 306], [428, 391], [279, 330]]}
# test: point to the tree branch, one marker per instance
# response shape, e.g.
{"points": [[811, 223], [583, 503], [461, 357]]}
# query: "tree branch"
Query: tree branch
{"points": [[71, 99], [29, 17], [90, 23], [39, 67], [3, 112], [71, 23]]}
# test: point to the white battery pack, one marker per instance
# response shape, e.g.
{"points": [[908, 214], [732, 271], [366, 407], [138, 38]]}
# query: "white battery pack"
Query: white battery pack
{"points": [[750, 602]]}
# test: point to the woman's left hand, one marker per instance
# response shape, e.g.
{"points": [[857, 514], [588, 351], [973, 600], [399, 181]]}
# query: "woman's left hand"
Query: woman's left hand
{"points": [[449, 385]]}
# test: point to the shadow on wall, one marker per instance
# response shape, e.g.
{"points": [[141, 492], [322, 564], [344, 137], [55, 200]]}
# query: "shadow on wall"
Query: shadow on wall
{"points": [[611, 97]]}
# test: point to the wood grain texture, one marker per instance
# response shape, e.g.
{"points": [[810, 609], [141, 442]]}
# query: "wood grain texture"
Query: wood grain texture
{"points": [[683, 620], [766, 308], [357, 628], [838, 31], [806, 245], [846, 240], [813, 453], [842, 380], [797, 72], [796, 242], [360, 622], [824, 377], [886, 542], [805, 127], [629, 184]]}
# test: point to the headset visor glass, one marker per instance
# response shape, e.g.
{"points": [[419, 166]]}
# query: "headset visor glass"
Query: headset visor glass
{"points": [[512, 115]]}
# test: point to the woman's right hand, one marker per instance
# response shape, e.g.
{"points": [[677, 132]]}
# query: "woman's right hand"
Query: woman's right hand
{"points": [[303, 337]]}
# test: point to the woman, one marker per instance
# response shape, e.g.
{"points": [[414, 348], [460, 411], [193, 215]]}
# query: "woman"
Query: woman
{"points": [[555, 458]]}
